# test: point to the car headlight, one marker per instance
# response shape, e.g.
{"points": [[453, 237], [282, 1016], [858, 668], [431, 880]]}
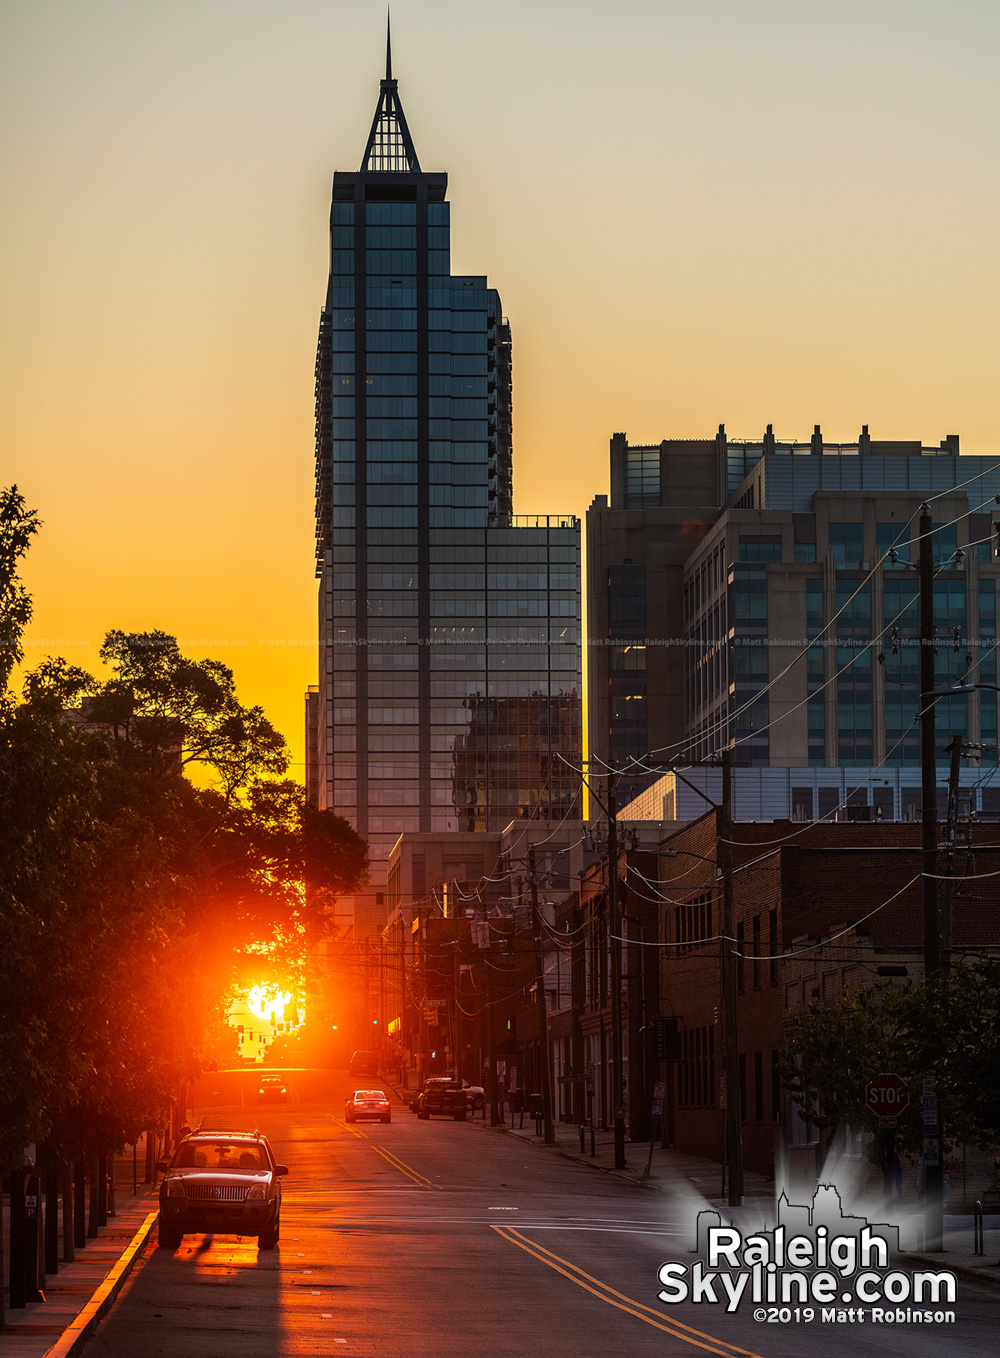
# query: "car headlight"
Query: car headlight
{"points": [[175, 1188], [258, 1192]]}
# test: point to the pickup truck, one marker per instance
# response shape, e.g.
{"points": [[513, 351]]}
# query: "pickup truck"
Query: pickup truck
{"points": [[444, 1097]]}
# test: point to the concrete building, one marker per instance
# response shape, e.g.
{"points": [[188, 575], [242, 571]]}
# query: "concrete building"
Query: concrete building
{"points": [[773, 614], [449, 628]]}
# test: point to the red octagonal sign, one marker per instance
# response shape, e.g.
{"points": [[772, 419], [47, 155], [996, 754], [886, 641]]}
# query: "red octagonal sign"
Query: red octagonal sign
{"points": [[887, 1097]]}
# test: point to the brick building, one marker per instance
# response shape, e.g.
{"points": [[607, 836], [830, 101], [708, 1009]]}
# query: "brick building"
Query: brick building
{"points": [[819, 908]]}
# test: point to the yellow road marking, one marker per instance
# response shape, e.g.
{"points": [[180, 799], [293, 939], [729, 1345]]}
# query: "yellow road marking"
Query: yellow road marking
{"points": [[604, 1292], [388, 1155], [412, 1173]]}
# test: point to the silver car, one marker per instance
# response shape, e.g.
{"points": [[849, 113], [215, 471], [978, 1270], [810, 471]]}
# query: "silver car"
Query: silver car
{"points": [[221, 1181]]}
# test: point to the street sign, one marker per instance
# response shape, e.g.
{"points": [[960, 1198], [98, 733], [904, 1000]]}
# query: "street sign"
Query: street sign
{"points": [[666, 1041], [887, 1097], [571, 1079]]}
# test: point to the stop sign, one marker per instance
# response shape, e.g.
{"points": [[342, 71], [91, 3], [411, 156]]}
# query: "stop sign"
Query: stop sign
{"points": [[887, 1097]]}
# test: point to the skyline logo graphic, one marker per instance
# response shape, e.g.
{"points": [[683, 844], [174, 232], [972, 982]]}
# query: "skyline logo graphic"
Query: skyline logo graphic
{"points": [[814, 1263]]}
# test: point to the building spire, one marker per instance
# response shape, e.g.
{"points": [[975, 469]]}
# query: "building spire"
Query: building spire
{"points": [[390, 147]]}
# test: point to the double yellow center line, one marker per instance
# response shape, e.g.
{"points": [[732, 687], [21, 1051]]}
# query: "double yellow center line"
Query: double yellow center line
{"points": [[608, 1294], [394, 1160]]}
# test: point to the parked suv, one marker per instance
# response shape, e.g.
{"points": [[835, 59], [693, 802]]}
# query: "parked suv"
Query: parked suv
{"points": [[221, 1181]]}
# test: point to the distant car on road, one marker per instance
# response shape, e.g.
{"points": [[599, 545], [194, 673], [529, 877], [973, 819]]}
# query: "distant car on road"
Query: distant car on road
{"points": [[368, 1104], [221, 1181], [364, 1063], [272, 1089]]}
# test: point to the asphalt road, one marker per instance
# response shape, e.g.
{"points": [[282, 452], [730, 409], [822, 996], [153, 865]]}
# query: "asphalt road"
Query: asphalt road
{"points": [[447, 1238]]}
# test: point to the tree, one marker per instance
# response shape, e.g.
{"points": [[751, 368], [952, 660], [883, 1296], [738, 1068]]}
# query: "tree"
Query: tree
{"points": [[128, 896], [166, 712], [949, 1025], [18, 525]]}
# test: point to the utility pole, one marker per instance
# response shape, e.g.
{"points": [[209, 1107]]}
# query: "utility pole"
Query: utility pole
{"points": [[492, 1021], [615, 924], [734, 1110], [955, 750], [933, 1137], [543, 1015]]}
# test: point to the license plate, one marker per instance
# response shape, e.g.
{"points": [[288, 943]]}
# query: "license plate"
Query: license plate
{"points": [[215, 1218]]}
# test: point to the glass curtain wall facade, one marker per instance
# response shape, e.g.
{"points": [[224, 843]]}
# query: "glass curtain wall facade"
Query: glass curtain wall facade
{"points": [[449, 630]]}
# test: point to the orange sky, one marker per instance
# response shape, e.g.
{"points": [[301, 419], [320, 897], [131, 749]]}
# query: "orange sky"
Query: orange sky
{"points": [[746, 211]]}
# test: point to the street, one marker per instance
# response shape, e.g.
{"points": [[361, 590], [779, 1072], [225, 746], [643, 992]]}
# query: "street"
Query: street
{"points": [[443, 1238]]}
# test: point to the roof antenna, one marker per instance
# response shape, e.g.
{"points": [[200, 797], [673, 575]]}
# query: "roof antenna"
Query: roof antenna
{"points": [[388, 47]]}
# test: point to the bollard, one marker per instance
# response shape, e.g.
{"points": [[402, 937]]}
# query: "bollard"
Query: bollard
{"points": [[978, 1246]]}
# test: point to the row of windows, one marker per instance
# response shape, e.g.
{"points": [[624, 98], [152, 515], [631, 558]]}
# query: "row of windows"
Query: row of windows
{"points": [[390, 292], [456, 321], [696, 1073], [757, 951], [459, 365], [391, 237], [379, 364], [443, 341], [458, 386], [758, 1088], [393, 318], [394, 214], [442, 451], [693, 922], [389, 262], [405, 517], [454, 407]]}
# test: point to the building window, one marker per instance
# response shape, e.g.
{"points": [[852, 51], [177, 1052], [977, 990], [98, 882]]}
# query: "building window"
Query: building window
{"points": [[758, 1087], [696, 1076], [693, 922], [743, 1086], [754, 550], [846, 544], [892, 537], [775, 1088], [756, 952], [772, 944]]}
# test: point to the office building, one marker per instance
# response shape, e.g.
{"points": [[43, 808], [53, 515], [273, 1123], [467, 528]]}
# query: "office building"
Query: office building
{"points": [[783, 616], [449, 627]]}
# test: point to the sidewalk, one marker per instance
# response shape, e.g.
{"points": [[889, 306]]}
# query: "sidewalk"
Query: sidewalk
{"points": [[671, 1169], [82, 1291]]}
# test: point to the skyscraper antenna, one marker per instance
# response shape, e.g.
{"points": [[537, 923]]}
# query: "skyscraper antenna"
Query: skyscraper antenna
{"points": [[390, 146]]}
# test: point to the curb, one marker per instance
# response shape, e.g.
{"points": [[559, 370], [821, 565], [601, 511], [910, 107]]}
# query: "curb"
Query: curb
{"points": [[968, 1273], [100, 1302]]}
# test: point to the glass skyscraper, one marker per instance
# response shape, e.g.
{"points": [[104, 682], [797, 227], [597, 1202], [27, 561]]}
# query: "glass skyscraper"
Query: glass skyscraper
{"points": [[449, 628]]}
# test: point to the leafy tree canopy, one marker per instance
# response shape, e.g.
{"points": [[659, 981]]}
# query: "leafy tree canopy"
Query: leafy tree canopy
{"points": [[18, 525], [948, 1025]]}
